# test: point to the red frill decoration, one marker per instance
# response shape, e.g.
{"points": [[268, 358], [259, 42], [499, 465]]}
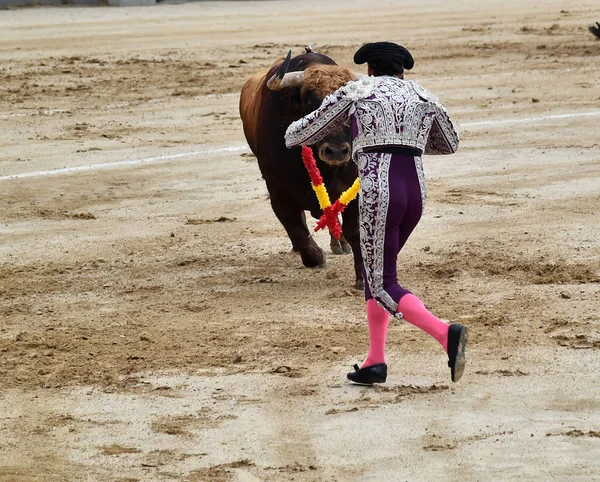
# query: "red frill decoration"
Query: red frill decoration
{"points": [[311, 166], [329, 218]]}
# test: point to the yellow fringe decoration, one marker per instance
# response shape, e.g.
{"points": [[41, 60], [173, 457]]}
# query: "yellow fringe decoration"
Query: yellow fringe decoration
{"points": [[350, 193], [322, 195]]}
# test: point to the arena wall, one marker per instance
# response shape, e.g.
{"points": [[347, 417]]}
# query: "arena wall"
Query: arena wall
{"points": [[110, 3]]}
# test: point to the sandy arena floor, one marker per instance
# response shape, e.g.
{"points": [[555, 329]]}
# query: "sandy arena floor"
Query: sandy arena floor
{"points": [[156, 326]]}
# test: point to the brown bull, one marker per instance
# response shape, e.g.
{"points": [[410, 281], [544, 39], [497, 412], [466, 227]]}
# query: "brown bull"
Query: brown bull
{"points": [[270, 101]]}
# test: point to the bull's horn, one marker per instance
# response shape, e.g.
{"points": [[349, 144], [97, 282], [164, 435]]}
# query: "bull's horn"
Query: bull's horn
{"points": [[274, 82], [282, 78]]}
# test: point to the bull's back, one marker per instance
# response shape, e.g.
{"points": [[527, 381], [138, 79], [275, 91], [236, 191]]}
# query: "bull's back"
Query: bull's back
{"points": [[250, 102]]}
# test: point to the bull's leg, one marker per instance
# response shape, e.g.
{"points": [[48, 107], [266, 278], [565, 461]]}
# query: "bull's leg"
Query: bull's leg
{"points": [[350, 230], [292, 216], [346, 248], [335, 245], [340, 246]]}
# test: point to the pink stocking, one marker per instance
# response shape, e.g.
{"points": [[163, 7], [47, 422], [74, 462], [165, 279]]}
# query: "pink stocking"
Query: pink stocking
{"points": [[414, 311], [377, 318]]}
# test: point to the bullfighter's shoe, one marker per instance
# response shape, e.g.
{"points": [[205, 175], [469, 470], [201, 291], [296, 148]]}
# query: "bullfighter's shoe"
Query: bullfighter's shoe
{"points": [[457, 343], [369, 375]]}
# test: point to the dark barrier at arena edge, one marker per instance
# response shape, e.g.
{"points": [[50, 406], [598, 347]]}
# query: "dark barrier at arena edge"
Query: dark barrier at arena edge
{"points": [[98, 3]]}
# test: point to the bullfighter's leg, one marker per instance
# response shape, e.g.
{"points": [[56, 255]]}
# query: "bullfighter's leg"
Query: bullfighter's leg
{"points": [[383, 212], [390, 207], [292, 217]]}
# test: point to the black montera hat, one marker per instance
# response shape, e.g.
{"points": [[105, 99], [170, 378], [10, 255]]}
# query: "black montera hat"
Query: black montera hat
{"points": [[387, 58]]}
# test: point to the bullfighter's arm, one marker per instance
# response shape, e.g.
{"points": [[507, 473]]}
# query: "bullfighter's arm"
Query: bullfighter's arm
{"points": [[315, 126], [443, 137]]}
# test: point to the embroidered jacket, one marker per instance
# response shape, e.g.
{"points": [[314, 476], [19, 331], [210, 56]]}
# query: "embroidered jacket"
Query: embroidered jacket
{"points": [[385, 111]]}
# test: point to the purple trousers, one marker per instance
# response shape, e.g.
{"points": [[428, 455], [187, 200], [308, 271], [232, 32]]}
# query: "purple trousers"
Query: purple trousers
{"points": [[392, 198]]}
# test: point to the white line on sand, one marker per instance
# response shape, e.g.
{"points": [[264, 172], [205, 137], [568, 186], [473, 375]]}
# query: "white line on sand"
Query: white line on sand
{"points": [[105, 165], [239, 148], [530, 119]]}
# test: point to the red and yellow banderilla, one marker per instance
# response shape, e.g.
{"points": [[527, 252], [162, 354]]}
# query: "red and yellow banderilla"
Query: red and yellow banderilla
{"points": [[331, 212]]}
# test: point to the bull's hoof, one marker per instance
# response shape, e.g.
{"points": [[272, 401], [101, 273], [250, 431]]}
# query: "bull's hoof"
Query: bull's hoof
{"points": [[336, 248], [313, 258], [359, 285], [340, 246]]}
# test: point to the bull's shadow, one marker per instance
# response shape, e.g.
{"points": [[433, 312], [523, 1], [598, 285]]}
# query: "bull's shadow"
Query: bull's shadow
{"points": [[270, 101]]}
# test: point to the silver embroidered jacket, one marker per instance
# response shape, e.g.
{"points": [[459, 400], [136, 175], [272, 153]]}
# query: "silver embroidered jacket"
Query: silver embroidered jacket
{"points": [[386, 111]]}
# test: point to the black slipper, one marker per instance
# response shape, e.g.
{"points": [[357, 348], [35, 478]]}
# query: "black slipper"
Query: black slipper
{"points": [[457, 343], [369, 375]]}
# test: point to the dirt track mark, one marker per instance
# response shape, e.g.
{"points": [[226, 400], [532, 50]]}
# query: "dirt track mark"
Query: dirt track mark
{"points": [[477, 196], [438, 447], [110, 79], [577, 342], [576, 433], [116, 449], [491, 260], [503, 373], [54, 214], [438, 443], [218, 473], [376, 396], [182, 425], [222, 219]]}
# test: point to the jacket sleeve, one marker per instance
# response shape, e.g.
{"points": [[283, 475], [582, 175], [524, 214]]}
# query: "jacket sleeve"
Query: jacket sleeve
{"points": [[443, 137], [313, 127]]}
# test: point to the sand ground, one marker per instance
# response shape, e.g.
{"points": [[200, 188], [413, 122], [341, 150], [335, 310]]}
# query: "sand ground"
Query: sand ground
{"points": [[156, 326]]}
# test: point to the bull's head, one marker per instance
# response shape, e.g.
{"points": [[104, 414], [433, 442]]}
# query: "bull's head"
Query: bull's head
{"points": [[314, 84]]}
